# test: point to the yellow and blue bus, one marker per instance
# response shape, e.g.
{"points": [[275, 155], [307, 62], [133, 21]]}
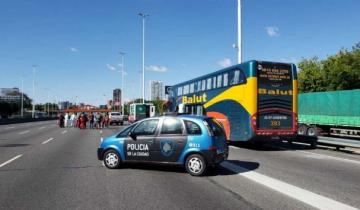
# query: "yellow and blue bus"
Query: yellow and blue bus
{"points": [[254, 100]]}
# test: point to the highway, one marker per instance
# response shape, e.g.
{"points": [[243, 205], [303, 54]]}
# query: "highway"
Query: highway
{"points": [[46, 167]]}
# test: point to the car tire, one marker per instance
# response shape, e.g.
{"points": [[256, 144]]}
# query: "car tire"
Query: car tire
{"points": [[122, 123], [196, 165], [112, 159]]}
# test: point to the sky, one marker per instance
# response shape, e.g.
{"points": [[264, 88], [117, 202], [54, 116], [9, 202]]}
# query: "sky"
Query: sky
{"points": [[75, 44]]}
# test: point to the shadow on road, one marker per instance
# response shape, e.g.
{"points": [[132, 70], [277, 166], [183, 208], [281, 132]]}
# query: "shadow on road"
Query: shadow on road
{"points": [[212, 171], [271, 146], [14, 145]]}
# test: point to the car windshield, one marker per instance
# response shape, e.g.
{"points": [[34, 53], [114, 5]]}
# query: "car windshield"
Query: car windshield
{"points": [[125, 132]]}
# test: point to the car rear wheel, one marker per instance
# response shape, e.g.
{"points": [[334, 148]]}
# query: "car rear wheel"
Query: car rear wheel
{"points": [[195, 165], [112, 159]]}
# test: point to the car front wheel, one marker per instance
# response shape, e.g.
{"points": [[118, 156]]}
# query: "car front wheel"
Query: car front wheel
{"points": [[195, 165], [112, 159]]}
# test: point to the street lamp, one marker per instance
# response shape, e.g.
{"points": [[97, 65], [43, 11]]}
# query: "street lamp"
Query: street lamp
{"points": [[122, 81], [33, 106], [143, 15], [239, 47], [22, 97]]}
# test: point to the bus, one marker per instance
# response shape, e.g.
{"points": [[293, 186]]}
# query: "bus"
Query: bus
{"points": [[254, 101]]}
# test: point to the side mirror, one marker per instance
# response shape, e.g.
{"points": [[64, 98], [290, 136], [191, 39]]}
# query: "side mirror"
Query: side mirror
{"points": [[132, 135]]}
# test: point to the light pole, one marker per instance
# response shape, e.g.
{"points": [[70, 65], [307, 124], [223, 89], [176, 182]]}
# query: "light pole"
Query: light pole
{"points": [[122, 82], [33, 106], [239, 45], [22, 97], [143, 15]]}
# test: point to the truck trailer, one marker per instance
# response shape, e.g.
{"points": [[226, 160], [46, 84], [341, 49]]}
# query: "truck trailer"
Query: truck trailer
{"points": [[334, 113]]}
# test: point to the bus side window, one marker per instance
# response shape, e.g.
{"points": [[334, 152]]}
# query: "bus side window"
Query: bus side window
{"points": [[186, 89], [192, 88], [179, 91], [234, 77], [214, 82], [219, 81], [226, 79], [203, 85], [208, 84], [198, 86]]}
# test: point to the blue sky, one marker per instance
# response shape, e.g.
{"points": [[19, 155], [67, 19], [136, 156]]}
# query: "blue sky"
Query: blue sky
{"points": [[75, 43]]}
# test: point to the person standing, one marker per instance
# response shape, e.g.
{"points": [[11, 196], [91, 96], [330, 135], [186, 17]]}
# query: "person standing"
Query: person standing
{"points": [[61, 120], [72, 120], [66, 119], [91, 125]]}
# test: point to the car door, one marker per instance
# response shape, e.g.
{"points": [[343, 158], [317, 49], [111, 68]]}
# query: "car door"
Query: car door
{"points": [[171, 140], [141, 148]]}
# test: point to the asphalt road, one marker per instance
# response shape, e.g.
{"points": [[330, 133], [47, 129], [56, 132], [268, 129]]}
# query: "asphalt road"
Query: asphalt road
{"points": [[45, 167]]}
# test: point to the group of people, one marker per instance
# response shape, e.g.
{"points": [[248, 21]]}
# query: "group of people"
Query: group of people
{"points": [[83, 120]]}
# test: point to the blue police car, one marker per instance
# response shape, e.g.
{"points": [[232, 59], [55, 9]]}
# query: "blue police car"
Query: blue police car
{"points": [[196, 142]]}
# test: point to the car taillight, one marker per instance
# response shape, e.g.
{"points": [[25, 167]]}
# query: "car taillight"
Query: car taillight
{"points": [[213, 148]]}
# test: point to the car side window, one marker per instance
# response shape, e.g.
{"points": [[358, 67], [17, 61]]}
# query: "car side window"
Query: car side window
{"points": [[172, 126], [146, 128], [192, 128]]}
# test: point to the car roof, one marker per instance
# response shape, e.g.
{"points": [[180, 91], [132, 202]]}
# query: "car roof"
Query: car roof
{"points": [[189, 117]]}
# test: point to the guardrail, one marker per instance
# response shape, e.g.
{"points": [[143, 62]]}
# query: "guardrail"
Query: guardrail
{"points": [[329, 141]]}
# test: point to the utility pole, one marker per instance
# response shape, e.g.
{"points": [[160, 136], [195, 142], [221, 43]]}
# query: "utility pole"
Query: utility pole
{"points": [[33, 106], [239, 45], [122, 82], [143, 15], [22, 97]]}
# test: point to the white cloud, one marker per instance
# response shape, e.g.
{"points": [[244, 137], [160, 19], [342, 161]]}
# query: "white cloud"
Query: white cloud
{"points": [[272, 31], [73, 49], [111, 67], [225, 62], [156, 68]]}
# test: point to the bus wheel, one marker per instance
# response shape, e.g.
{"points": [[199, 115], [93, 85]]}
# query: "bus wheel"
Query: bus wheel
{"points": [[302, 130], [311, 131]]}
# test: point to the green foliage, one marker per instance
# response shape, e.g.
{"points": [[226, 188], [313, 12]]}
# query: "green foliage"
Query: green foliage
{"points": [[337, 72], [7, 109]]}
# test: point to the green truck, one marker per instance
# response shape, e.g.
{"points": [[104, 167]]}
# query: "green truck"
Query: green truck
{"points": [[139, 111], [329, 113]]}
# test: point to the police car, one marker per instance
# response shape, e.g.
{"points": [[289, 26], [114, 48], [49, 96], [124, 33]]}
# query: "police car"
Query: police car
{"points": [[195, 142]]}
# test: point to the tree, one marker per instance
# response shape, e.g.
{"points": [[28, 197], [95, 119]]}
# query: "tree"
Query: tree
{"points": [[337, 72]]}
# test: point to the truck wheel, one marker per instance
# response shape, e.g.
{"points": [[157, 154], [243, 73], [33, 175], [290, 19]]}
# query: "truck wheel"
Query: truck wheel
{"points": [[302, 130], [121, 123], [311, 131], [195, 165]]}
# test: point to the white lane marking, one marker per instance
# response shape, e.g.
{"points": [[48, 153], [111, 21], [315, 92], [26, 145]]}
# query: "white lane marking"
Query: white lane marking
{"points": [[321, 156], [11, 160], [234, 147], [12, 127], [64, 132], [23, 132], [44, 142], [308, 197], [42, 128]]}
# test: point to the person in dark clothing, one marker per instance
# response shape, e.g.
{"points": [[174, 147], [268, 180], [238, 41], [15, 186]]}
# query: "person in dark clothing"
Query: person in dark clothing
{"points": [[61, 120], [91, 125]]}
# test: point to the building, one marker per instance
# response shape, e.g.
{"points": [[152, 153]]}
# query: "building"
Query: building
{"points": [[64, 105], [157, 90], [10, 95], [117, 99]]}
